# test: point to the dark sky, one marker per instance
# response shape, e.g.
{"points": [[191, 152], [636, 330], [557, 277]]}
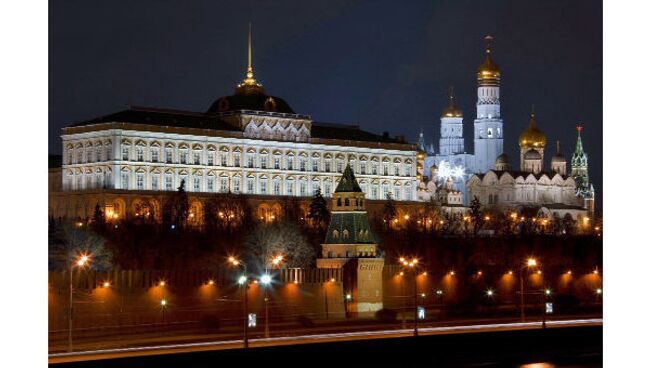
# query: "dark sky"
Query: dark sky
{"points": [[384, 64]]}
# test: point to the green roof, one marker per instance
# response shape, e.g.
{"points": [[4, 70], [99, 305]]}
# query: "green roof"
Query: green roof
{"points": [[357, 226], [348, 182]]}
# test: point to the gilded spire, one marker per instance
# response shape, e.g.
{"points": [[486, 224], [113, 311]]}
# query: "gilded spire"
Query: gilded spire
{"points": [[557, 147], [249, 85], [451, 111]]}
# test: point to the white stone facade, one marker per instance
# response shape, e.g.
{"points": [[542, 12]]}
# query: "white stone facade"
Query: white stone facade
{"points": [[272, 156]]}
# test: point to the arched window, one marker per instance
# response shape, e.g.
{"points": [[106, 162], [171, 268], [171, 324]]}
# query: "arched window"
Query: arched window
{"points": [[346, 234], [335, 234], [338, 202], [347, 202]]}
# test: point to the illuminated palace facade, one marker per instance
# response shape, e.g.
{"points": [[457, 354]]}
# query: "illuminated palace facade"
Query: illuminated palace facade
{"points": [[249, 142]]}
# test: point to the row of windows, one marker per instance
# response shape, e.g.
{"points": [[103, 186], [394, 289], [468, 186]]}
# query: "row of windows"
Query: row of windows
{"points": [[169, 182], [185, 157], [89, 154]]}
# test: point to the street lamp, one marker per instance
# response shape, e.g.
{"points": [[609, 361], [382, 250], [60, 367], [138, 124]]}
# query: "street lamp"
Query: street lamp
{"points": [[81, 261], [243, 283], [266, 280], [531, 262], [412, 265]]}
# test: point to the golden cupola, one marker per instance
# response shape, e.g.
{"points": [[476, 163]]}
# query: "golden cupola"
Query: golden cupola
{"points": [[249, 85], [488, 73], [452, 111], [532, 137]]}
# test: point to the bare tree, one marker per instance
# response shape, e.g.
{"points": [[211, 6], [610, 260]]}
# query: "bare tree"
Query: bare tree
{"points": [[270, 240], [68, 240]]}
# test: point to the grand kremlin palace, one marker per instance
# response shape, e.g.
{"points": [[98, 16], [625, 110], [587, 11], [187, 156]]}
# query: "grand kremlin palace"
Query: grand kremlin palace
{"points": [[249, 142]]}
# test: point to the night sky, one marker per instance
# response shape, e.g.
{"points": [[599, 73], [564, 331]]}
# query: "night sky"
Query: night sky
{"points": [[386, 65]]}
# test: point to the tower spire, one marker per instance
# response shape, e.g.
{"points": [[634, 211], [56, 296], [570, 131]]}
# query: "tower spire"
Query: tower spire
{"points": [[249, 85], [488, 43], [557, 147]]}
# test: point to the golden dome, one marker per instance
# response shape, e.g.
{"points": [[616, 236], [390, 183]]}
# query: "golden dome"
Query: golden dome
{"points": [[451, 111], [488, 72], [532, 137]]}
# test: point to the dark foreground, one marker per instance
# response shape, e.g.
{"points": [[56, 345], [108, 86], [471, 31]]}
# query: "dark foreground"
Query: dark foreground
{"points": [[560, 347]]}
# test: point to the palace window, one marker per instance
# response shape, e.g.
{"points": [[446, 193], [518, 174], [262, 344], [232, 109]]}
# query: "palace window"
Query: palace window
{"points": [[408, 170], [154, 155], [386, 169], [235, 185], [263, 163], [290, 163], [396, 169], [263, 187], [363, 168], [339, 166], [224, 159], [250, 183], [276, 163], [397, 194], [196, 184], [303, 188], [154, 182], [236, 158], [89, 181], [303, 164], [375, 166], [183, 157], [139, 181], [328, 166], [79, 183], [289, 188], [125, 180], [210, 184], [140, 154], [276, 187], [98, 153], [210, 159], [374, 193], [125, 154], [197, 158], [251, 161], [224, 185], [407, 194], [169, 185], [328, 189], [314, 164], [168, 155]]}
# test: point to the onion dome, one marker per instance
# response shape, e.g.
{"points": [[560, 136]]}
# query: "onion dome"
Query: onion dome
{"points": [[558, 157], [532, 137], [531, 154], [452, 111], [488, 73], [502, 159], [502, 162]]}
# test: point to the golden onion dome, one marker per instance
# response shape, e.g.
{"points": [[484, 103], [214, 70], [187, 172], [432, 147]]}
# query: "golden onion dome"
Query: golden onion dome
{"points": [[488, 72], [452, 111], [532, 137]]}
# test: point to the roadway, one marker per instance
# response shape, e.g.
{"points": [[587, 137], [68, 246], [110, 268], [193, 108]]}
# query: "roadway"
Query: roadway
{"points": [[304, 337]]}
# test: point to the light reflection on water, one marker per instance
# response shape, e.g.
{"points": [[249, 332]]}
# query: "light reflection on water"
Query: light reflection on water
{"points": [[537, 365]]}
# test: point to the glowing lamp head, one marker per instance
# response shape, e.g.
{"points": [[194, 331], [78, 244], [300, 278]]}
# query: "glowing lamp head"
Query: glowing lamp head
{"points": [[162, 283], [241, 280], [489, 292], [452, 273], [348, 297], [439, 292], [332, 279], [532, 262], [265, 279], [547, 292], [510, 272], [163, 302], [599, 291], [107, 284], [210, 282]]}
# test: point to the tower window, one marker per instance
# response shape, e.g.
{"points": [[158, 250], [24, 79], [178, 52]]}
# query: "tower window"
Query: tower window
{"points": [[489, 133]]}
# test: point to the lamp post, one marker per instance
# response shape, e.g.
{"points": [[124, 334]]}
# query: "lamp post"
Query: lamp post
{"points": [[412, 265], [243, 282], [531, 262], [81, 261]]}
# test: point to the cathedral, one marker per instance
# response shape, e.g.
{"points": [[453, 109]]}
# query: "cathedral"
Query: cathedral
{"points": [[453, 176]]}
